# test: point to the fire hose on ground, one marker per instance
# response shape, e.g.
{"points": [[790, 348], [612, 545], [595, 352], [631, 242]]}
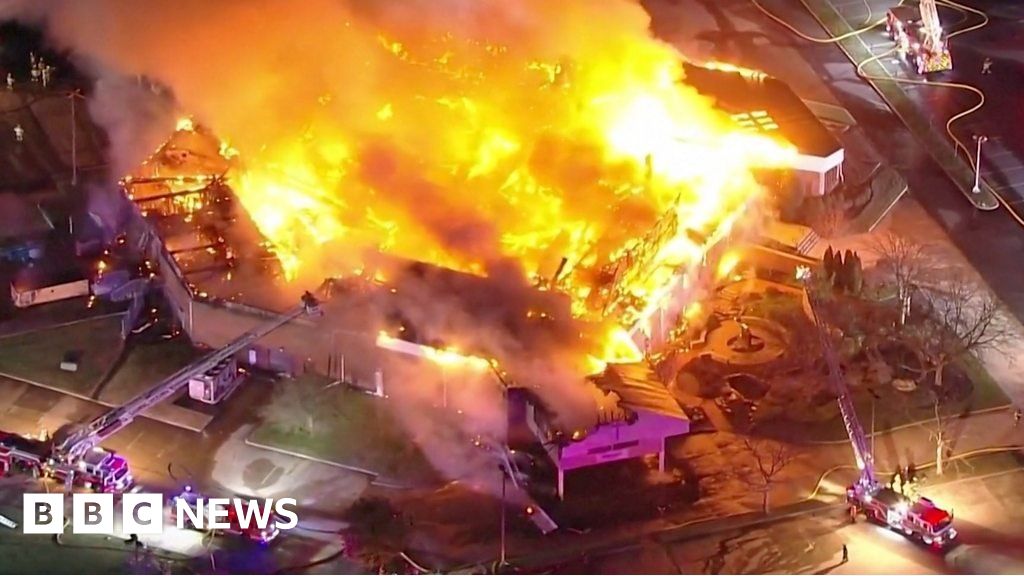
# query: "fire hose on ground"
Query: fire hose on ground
{"points": [[958, 144]]}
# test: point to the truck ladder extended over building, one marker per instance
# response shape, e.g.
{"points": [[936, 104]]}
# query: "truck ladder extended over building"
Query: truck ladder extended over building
{"points": [[859, 440], [68, 451], [915, 517]]}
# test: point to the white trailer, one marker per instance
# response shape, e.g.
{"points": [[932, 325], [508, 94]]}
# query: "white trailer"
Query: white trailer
{"points": [[25, 296]]}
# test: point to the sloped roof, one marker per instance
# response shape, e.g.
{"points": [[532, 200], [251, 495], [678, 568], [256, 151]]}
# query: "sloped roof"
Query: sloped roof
{"points": [[767, 104], [639, 389]]}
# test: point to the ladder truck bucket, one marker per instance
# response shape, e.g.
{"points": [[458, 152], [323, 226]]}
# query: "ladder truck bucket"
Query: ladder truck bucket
{"points": [[311, 304]]}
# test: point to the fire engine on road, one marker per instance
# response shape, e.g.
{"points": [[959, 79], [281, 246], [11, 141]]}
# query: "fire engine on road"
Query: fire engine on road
{"points": [[919, 37], [914, 516], [99, 469]]}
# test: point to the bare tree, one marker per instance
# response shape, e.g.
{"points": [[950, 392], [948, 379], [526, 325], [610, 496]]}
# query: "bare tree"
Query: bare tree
{"points": [[829, 216], [957, 321], [770, 459], [907, 262]]}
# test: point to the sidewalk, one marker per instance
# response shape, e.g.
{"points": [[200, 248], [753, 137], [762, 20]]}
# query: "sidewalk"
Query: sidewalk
{"points": [[932, 138]]}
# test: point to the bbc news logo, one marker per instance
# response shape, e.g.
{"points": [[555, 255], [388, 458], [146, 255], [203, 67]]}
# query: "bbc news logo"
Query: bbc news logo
{"points": [[145, 513]]}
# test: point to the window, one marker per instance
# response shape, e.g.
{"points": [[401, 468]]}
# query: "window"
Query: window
{"points": [[757, 121]]}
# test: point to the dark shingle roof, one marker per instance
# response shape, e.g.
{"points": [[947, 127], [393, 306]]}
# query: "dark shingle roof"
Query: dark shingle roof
{"points": [[768, 103]]}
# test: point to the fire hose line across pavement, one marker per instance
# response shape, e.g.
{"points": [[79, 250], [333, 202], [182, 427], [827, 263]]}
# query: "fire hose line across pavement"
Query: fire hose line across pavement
{"points": [[958, 144], [780, 513]]}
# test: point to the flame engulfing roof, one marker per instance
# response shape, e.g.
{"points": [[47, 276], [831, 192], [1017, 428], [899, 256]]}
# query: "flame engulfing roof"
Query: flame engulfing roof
{"points": [[764, 104]]}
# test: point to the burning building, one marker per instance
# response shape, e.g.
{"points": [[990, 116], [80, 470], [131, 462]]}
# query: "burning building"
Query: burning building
{"points": [[527, 187]]}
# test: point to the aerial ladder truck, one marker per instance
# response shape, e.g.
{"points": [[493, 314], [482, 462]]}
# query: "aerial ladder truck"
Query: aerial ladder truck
{"points": [[916, 517], [919, 37], [76, 456]]}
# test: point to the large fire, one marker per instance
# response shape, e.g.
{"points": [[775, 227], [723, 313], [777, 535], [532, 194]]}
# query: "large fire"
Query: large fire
{"points": [[559, 136], [476, 154]]}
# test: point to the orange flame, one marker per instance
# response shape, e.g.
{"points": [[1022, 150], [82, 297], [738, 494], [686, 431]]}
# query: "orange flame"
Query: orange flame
{"points": [[476, 154]]}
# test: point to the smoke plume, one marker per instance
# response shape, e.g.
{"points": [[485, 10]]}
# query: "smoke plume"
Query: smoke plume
{"points": [[506, 138]]}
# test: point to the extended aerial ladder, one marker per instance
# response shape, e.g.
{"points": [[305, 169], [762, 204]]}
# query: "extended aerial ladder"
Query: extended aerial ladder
{"points": [[919, 35], [917, 518], [858, 439], [68, 452]]}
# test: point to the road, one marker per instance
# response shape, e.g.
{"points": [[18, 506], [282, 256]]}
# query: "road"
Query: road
{"points": [[990, 241], [1001, 118], [164, 458], [989, 542]]}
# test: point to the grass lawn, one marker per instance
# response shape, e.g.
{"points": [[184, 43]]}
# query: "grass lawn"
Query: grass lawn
{"points": [[893, 408], [145, 365], [37, 355], [350, 428]]}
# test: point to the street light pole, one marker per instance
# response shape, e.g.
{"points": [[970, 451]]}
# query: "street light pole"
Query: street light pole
{"points": [[501, 559], [977, 164]]}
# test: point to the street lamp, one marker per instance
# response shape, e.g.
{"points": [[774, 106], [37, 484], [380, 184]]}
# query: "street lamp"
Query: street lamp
{"points": [[501, 559], [977, 163]]}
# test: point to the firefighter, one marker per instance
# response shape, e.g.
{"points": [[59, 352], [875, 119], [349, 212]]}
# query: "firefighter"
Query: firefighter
{"points": [[986, 66], [19, 133]]}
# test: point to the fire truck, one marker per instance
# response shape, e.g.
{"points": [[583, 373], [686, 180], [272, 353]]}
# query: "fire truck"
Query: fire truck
{"points": [[916, 517], [250, 531], [78, 460], [919, 37], [99, 469]]}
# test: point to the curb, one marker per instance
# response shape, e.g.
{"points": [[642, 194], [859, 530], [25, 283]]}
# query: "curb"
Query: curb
{"points": [[293, 454], [880, 433], [939, 148], [709, 526]]}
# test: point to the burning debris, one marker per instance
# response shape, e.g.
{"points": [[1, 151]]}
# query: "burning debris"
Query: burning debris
{"points": [[542, 146]]}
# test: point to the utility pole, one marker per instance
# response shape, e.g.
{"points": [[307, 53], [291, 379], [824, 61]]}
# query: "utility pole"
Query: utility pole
{"points": [[74, 137], [977, 163]]}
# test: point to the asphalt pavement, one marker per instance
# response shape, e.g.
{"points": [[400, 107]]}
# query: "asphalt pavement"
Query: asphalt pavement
{"points": [[991, 241], [990, 513], [1001, 118]]}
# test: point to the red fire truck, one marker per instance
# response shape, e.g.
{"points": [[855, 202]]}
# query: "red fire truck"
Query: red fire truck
{"points": [[99, 469], [919, 518], [250, 531], [915, 517], [919, 37]]}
